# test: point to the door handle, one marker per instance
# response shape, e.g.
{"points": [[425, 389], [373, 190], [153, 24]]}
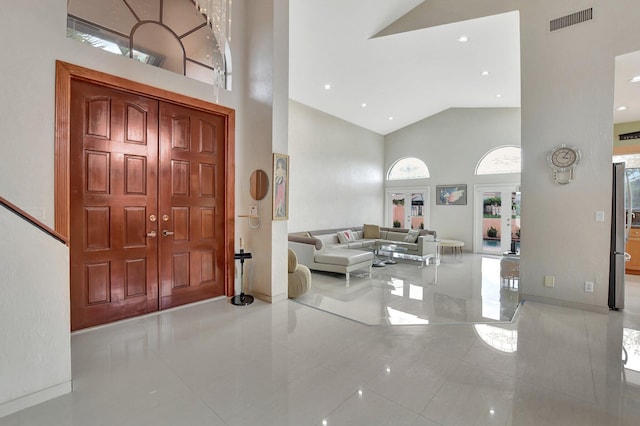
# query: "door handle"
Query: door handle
{"points": [[151, 234], [166, 233]]}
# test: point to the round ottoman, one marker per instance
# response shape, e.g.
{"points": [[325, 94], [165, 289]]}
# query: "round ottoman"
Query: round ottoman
{"points": [[299, 277]]}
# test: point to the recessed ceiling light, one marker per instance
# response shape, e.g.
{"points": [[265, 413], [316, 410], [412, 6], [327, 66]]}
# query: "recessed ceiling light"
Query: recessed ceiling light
{"points": [[621, 108], [498, 95], [463, 39], [363, 105], [485, 73], [327, 86], [635, 79], [390, 118]]}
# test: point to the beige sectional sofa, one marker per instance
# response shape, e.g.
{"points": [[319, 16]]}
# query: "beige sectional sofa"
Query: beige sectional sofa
{"points": [[348, 249]]}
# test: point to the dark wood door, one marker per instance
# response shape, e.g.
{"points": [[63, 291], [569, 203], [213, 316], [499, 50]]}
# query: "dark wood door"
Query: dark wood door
{"points": [[113, 200], [191, 233]]}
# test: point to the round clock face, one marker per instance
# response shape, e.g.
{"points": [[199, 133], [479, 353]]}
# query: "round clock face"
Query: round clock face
{"points": [[564, 157]]}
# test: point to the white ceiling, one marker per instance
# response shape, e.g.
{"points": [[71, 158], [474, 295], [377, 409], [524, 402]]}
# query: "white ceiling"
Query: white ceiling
{"points": [[627, 93], [411, 75]]}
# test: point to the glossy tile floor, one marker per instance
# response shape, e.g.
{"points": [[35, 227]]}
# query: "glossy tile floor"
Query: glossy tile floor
{"points": [[462, 289], [290, 364]]}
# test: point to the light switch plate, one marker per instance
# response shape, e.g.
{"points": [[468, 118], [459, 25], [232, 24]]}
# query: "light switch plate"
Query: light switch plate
{"points": [[588, 286], [549, 281], [599, 216]]}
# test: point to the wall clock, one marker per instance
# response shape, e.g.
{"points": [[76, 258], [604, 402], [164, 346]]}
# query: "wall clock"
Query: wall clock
{"points": [[563, 159]]}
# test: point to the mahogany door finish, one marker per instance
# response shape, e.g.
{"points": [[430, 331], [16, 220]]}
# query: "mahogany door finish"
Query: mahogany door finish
{"points": [[113, 205], [192, 210]]}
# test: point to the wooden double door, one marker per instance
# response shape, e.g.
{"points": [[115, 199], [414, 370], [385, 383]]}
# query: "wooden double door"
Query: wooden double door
{"points": [[147, 181]]}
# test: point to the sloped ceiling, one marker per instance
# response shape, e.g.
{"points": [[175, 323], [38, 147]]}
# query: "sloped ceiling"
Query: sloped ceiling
{"points": [[402, 59], [373, 52]]}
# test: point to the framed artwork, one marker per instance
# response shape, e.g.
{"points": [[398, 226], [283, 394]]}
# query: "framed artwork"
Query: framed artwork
{"points": [[280, 187], [451, 195]]}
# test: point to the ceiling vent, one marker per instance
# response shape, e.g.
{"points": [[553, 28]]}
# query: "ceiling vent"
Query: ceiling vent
{"points": [[573, 19]]}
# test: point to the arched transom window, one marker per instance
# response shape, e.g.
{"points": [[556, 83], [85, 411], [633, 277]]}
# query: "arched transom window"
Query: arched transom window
{"points": [[169, 34], [408, 168], [505, 159]]}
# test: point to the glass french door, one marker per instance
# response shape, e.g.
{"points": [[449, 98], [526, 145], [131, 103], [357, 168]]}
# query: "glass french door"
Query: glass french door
{"points": [[497, 213], [407, 208]]}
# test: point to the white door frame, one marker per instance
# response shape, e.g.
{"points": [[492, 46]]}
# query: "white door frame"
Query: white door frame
{"points": [[388, 211], [477, 209]]}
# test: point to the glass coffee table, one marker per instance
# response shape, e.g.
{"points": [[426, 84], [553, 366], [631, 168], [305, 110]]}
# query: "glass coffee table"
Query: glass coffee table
{"points": [[389, 250], [377, 262], [393, 250]]}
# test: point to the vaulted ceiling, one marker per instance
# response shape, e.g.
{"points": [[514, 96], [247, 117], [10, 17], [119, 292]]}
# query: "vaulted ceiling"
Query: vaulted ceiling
{"points": [[404, 60]]}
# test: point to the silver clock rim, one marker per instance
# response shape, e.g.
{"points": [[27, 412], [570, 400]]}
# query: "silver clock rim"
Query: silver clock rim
{"points": [[560, 168]]}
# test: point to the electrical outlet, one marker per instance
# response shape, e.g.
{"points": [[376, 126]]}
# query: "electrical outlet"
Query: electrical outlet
{"points": [[588, 286], [549, 281], [253, 211]]}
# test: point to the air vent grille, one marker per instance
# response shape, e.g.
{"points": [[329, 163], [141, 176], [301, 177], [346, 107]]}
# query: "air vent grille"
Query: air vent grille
{"points": [[573, 19]]}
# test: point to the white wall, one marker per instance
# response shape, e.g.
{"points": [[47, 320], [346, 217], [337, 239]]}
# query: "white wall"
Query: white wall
{"points": [[567, 97], [35, 37], [35, 353], [336, 171], [451, 143], [265, 115]]}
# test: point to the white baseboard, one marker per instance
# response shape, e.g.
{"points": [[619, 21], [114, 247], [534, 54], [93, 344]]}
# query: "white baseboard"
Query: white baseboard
{"points": [[35, 398], [565, 304], [268, 298]]}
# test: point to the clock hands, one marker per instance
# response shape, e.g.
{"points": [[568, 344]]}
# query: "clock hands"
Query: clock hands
{"points": [[563, 160]]}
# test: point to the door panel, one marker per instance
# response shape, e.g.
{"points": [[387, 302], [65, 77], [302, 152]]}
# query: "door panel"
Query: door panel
{"points": [[407, 208], [191, 205], [113, 193], [497, 219]]}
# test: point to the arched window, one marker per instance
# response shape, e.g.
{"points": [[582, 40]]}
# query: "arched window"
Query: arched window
{"points": [[408, 168], [169, 35], [505, 159]]}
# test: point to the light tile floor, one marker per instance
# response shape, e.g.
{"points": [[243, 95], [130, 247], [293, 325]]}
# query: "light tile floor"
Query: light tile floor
{"points": [[462, 289], [290, 364]]}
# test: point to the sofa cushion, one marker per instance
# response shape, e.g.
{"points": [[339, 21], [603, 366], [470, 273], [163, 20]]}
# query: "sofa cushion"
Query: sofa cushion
{"points": [[371, 232], [328, 239], [395, 236], [355, 244], [343, 257], [412, 236], [346, 236]]}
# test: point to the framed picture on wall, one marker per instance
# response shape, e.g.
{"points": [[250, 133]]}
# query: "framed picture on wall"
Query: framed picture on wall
{"points": [[280, 187], [451, 195]]}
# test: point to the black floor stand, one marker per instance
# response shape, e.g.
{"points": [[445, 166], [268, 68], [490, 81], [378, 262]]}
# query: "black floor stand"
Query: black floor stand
{"points": [[242, 299]]}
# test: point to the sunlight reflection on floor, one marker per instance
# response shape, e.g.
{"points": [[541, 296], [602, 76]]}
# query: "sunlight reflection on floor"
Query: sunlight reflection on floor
{"points": [[459, 290]]}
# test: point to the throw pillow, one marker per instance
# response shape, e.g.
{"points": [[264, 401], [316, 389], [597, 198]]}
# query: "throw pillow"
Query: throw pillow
{"points": [[412, 236], [371, 232], [346, 236]]}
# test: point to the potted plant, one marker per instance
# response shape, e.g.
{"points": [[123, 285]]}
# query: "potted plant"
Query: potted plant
{"points": [[492, 232]]}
